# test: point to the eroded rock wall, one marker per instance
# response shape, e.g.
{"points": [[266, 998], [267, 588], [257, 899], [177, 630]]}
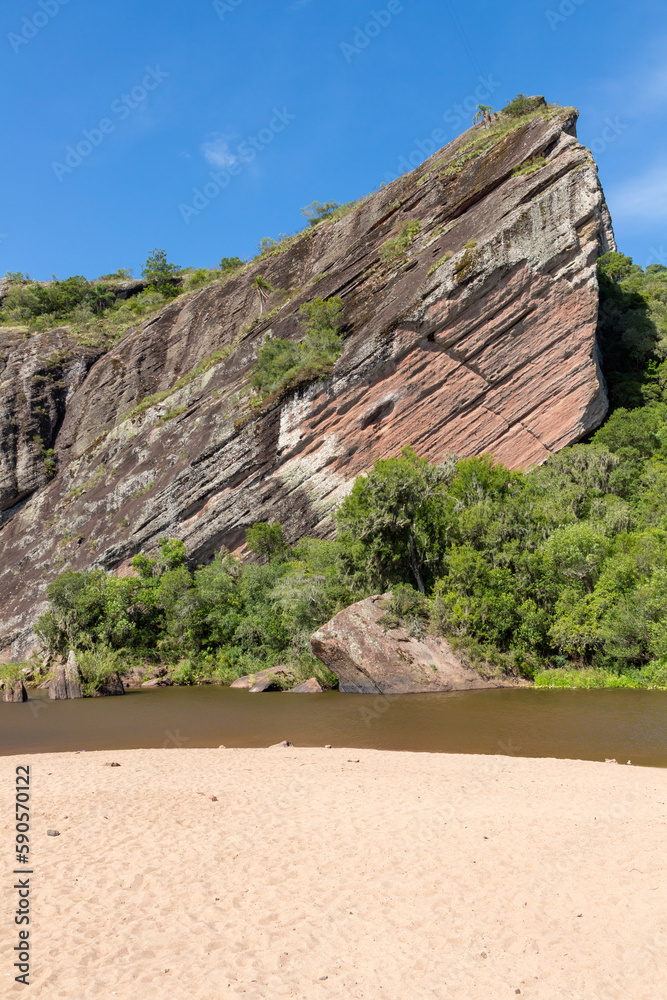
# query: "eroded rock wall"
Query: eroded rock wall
{"points": [[480, 339]]}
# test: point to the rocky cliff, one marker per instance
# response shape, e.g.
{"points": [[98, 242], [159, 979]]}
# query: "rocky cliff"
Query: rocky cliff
{"points": [[477, 335]]}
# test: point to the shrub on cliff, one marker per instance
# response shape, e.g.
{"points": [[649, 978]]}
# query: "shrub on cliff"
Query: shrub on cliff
{"points": [[230, 264], [319, 211], [522, 105], [282, 363], [160, 273], [395, 249], [122, 274]]}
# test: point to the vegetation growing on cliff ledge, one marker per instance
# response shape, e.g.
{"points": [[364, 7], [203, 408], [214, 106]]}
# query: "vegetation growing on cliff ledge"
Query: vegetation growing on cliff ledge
{"points": [[395, 249], [282, 363]]}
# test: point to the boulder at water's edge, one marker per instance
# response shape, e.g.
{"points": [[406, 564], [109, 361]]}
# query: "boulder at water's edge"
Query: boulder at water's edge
{"points": [[371, 658]]}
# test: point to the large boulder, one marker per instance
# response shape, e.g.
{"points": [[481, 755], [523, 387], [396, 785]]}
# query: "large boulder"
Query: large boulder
{"points": [[371, 658], [311, 686], [58, 684], [73, 677], [111, 686]]}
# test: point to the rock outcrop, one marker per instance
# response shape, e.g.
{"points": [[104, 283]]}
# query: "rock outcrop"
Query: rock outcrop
{"points": [[479, 336], [368, 657], [38, 376], [14, 691], [311, 686], [66, 682], [112, 686], [264, 680]]}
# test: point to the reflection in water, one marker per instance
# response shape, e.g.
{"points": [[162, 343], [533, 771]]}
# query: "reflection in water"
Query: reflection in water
{"points": [[590, 725]]}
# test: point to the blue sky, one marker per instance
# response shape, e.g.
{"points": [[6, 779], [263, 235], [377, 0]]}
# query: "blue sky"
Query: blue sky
{"points": [[288, 101]]}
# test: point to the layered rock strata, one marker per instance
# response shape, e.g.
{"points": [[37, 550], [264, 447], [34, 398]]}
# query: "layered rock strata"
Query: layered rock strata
{"points": [[477, 337]]}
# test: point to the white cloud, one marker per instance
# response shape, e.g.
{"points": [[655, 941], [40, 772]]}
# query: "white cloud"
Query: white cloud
{"points": [[216, 151], [643, 198]]}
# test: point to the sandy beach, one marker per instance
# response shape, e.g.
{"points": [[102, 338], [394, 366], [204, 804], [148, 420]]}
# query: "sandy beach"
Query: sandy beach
{"points": [[314, 873]]}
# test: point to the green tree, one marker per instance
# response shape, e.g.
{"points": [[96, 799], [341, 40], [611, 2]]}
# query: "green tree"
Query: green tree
{"points": [[230, 264], [318, 211], [265, 539], [160, 273], [394, 524], [484, 113], [262, 287]]}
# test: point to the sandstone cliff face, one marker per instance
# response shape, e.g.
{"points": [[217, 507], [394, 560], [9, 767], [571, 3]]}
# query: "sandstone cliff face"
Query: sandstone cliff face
{"points": [[38, 376], [492, 349]]}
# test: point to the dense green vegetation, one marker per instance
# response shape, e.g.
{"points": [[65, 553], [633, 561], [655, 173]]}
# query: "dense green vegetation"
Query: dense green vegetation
{"points": [[217, 621], [286, 363], [557, 574], [632, 330], [95, 311]]}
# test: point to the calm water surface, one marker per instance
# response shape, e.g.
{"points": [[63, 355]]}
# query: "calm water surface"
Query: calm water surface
{"points": [[588, 725]]}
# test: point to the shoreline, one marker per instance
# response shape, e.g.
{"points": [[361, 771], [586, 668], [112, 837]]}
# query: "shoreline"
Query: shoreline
{"points": [[259, 872]]}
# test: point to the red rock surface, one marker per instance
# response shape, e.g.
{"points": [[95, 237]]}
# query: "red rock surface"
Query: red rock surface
{"points": [[493, 350]]}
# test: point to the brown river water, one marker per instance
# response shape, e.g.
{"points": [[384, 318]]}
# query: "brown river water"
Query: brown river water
{"points": [[587, 725]]}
